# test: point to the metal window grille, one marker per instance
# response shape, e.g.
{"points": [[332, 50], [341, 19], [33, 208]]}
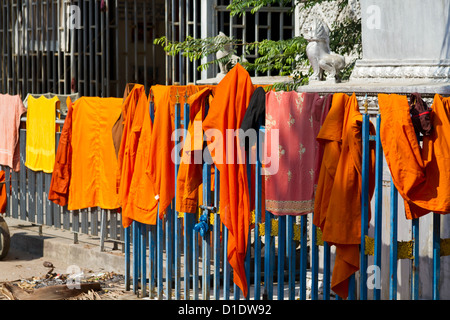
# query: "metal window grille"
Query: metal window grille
{"points": [[42, 50]]}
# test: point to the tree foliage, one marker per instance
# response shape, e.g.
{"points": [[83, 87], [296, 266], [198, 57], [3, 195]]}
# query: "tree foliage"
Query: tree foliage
{"points": [[282, 57]]}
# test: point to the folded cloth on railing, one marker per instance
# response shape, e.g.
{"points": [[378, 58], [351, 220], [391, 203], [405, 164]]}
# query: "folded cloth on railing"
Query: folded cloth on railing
{"points": [[3, 196], [59, 186], [41, 131], [293, 121], [227, 109], [11, 110], [94, 163], [420, 174], [337, 207]]}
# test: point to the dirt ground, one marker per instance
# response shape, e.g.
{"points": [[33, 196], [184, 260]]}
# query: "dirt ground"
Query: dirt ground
{"points": [[29, 273]]}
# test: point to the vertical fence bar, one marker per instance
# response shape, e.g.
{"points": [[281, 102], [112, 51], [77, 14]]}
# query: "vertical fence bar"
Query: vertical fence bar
{"points": [[39, 195], [151, 260], [136, 229], [364, 205], [415, 262], [303, 256], [188, 222], [393, 240], [258, 203], [281, 254], [169, 216], [206, 243], [195, 264], [226, 266], [314, 262], [268, 269], [436, 254], [378, 208], [15, 193], [127, 240], [22, 174], [31, 194], [177, 220], [326, 270], [8, 190], [217, 223], [143, 258], [159, 254], [291, 256]]}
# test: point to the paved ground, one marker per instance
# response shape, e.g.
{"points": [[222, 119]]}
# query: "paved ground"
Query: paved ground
{"points": [[24, 264]]}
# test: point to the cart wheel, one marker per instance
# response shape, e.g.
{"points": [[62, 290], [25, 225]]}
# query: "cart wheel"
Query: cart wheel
{"points": [[4, 238]]}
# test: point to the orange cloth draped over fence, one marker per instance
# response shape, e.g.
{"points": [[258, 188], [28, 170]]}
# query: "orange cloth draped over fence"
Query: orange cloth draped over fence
{"points": [[94, 162], [59, 186], [338, 199], [189, 176], [421, 175], [161, 168], [142, 206], [231, 98], [133, 110]]}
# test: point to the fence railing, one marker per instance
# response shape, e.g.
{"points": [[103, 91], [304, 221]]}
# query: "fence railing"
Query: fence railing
{"points": [[286, 258], [27, 200]]}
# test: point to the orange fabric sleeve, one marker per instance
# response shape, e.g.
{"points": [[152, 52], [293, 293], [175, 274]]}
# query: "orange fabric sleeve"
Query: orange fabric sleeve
{"points": [[232, 96]]}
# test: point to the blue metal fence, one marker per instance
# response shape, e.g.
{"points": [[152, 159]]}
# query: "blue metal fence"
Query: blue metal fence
{"points": [[285, 253], [286, 257]]}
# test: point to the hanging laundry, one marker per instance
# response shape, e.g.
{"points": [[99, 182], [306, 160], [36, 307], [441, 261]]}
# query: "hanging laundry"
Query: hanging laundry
{"points": [[11, 110], [94, 163], [227, 110], [420, 114], [63, 108], [142, 205], [297, 119], [162, 168], [421, 175], [189, 176], [59, 186], [255, 114], [3, 195], [117, 130], [41, 130], [133, 109], [337, 207]]}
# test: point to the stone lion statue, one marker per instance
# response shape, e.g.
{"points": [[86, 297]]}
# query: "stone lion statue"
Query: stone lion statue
{"points": [[224, 67], [319, 54]]}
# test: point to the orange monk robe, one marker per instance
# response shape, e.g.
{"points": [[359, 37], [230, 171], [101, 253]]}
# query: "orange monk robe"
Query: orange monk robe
{"points": [[94, 162], [227, 109], [190, 170], [421, 175], [161, 168], [337, 208], [135, 105], [59, 185], [142, 205]]}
